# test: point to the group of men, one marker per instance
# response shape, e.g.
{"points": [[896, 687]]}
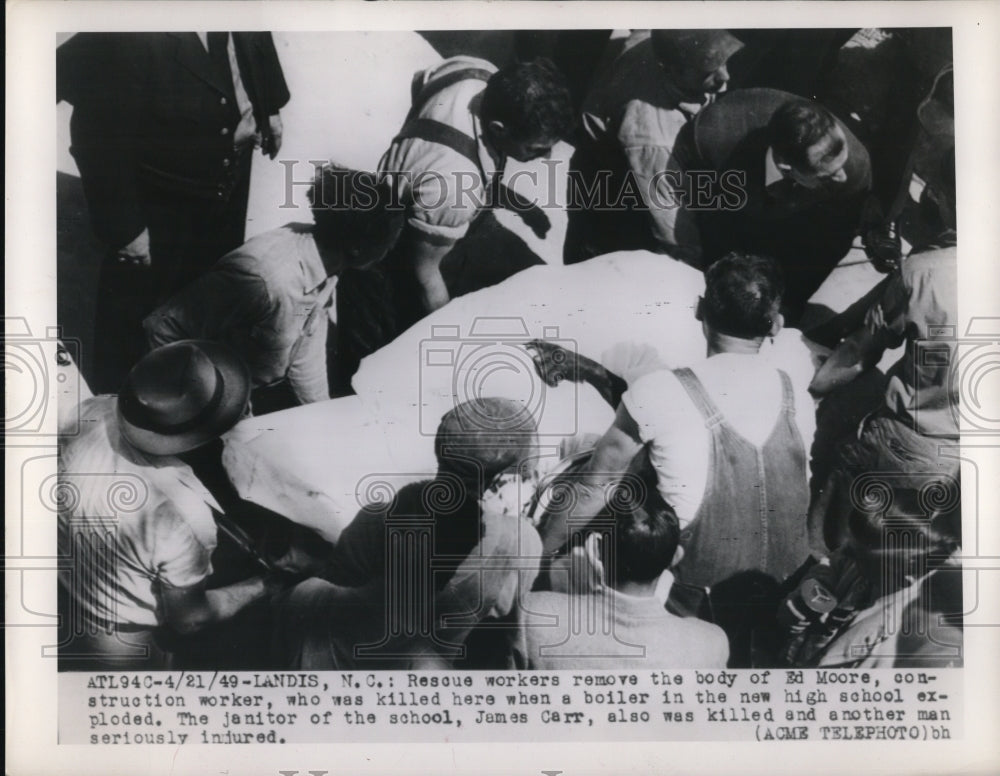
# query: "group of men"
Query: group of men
{"points": [[700, 528]]}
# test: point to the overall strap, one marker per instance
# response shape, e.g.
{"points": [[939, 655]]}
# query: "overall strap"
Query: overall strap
{"points": [[422, 96], [787, 394], [701, 399], [436, 131]]}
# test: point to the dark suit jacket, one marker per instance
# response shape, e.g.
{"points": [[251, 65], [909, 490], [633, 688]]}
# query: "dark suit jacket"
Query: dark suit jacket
{"points": [[807, 230], [150, 111]]}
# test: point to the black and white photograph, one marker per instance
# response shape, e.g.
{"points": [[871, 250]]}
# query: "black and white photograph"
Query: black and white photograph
{"points": [[564, 382]]}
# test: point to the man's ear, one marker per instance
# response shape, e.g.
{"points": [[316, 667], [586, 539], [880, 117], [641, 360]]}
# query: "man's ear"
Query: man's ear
{"points": [[497, 129], [777, 324], [698, 309]]}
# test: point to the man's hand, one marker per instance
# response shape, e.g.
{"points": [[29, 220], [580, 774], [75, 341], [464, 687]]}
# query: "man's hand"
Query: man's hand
{"points": [[553, 363], [272, 141], [874, 319], [137, 251]]}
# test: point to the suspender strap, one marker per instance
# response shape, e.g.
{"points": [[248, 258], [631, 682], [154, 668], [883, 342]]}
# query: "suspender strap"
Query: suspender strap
{"points": [[787, 395], [436, 131], [701, 399], [442, 134], [423, 96]]}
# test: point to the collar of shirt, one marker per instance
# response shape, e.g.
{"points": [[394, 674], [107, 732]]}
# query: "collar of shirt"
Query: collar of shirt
{"points": [[772, 174], [314, 274], [681, 101], [160, 469], [488, 166]]}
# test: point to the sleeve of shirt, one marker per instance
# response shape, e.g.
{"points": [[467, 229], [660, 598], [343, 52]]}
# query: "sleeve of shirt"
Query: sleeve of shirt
{"points": [[225, 305], [486, 582], [307, 373], [660, 177], [359, 555], [631, 360], [657, 404], [181, 558], [443, 192]]}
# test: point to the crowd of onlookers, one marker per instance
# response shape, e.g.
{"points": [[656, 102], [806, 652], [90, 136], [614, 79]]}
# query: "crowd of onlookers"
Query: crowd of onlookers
{"points": [[725, 517]]}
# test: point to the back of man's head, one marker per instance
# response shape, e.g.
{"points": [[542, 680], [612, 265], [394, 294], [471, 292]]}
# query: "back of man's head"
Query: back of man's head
{"points": [[742, 295], [483, 437], [800, 125], [530, 99], [645, 540], [355, 213]]}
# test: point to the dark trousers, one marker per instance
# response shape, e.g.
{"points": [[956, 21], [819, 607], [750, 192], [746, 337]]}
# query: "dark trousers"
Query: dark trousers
{"points": [[186, 236]]}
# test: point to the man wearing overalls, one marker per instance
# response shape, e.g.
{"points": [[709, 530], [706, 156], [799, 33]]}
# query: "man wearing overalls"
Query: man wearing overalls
{"points": [[446, 163], [729, 442]]}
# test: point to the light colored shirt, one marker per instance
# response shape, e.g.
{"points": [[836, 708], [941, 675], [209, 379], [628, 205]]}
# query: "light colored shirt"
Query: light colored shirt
{"points": [[920, 308], [268, 300], [607, 629], [128, 522], [747, 390], [772, 174], [634, 102], [445, 189]]}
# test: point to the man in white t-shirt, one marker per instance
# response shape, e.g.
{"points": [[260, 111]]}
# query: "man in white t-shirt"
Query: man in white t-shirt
{"points": [[729, 442], [136, 525]]}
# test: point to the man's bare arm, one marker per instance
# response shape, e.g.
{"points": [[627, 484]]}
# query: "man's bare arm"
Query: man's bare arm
{"points": [[188, 610], [611, 459]]}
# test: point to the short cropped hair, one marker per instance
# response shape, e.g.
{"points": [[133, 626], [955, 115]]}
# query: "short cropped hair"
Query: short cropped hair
{"points": [[483, 437], [355, 209], [531, 99], [797, 126], [742, 295], [646, 536]]}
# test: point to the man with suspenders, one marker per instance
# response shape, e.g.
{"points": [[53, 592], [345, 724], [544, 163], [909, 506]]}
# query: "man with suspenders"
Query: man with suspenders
{"points": [[446, 162]]}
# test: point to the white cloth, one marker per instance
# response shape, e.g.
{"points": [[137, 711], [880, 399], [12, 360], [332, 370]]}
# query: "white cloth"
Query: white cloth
{"points": [[745, 388], [631, 311], [127, 521]]}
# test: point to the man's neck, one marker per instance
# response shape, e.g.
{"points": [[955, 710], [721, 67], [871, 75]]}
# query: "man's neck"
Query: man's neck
{"points": [[724, 343], [636, 589], [329, 255]]}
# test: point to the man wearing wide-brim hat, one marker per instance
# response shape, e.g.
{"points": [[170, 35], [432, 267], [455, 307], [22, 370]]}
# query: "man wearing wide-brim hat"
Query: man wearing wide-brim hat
{"points": [[135, 523]]}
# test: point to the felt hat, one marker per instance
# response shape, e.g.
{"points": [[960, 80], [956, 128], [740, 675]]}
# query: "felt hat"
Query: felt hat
{"points": [[709, 49], [182, 395]]}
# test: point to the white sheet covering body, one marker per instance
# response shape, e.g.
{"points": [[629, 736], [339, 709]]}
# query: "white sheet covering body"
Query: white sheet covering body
{"points": [[631, 311]]}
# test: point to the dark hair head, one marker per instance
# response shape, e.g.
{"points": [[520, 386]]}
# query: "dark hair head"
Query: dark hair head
{"points": [[742, 295], [797, 126], [530, 99], [909, 517], [355, 213], [646, 536], [481, 438]]}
